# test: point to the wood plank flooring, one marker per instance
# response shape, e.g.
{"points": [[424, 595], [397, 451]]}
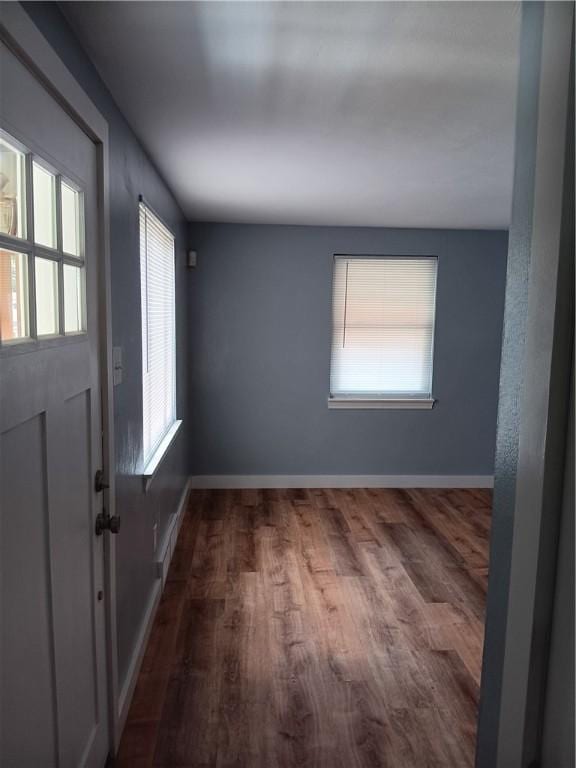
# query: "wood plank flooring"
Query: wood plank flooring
{"points": [[325, 628]]}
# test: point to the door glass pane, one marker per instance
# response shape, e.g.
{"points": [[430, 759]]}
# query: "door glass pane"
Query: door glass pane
{"points": [[73, 299], [70, 220], [12, 190], [46, 274], [44, 206], [13, 296]]}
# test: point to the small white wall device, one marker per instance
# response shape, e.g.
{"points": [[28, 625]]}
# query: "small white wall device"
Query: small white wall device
{"points": [[192, 259]]}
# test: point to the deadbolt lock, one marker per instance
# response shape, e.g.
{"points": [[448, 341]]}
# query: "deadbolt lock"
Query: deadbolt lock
{"points": [[99, 483]]}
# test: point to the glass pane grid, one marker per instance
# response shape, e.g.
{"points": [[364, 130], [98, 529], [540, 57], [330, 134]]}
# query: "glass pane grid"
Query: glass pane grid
{"points": [[49, 300]]}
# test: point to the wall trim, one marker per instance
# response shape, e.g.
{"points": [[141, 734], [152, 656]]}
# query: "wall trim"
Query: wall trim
{"points": [[342, 481], [129, 684], [168, 545]]}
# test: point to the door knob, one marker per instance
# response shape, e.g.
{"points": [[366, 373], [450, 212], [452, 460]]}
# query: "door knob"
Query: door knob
{"points": [[106, 523]]}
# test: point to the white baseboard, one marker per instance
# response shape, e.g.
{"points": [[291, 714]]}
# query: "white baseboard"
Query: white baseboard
{"points": [[127, 690], [342, 481], [168, 546]]}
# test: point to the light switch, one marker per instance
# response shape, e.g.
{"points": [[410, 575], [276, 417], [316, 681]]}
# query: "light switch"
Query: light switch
{"points": [[117, 365]]}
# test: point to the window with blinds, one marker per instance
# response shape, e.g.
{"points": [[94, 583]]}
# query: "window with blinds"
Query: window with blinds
{"points": [[158, 330], [383, 327]]}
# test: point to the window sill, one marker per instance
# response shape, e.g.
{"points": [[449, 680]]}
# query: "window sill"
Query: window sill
{"points": [[151, 468], [365, 403]]}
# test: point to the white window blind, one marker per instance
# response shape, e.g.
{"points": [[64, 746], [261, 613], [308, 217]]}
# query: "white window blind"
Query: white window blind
{"points": [[158, 330], [383, 327]]}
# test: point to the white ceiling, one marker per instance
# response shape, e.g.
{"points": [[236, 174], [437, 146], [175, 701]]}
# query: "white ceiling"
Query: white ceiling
{"points": [[380, 113]]}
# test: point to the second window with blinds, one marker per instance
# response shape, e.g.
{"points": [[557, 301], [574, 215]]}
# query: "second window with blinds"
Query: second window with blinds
{"points": [[157, 268], [383, 311]]}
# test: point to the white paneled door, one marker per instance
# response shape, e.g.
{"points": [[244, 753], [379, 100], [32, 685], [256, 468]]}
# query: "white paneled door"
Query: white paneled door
{"points": [[52, 625]]}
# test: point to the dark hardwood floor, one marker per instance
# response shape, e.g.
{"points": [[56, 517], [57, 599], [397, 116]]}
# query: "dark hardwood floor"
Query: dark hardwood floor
{"points": [[325, 628]]}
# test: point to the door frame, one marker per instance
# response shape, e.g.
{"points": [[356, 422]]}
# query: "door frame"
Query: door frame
{"points": [[532, 441], [19, 33]]}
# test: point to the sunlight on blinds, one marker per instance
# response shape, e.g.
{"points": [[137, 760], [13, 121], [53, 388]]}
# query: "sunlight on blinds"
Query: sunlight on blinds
{"points": [[158, 330], [383, 326]]}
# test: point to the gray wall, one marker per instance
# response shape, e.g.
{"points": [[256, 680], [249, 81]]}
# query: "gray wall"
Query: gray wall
{"points": [[260, 317], [131, 174]]}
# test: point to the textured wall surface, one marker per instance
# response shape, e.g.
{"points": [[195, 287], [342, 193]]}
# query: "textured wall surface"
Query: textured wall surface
{"points": [[260, 325], [131, 174], [511, 381], [533, 406]]}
